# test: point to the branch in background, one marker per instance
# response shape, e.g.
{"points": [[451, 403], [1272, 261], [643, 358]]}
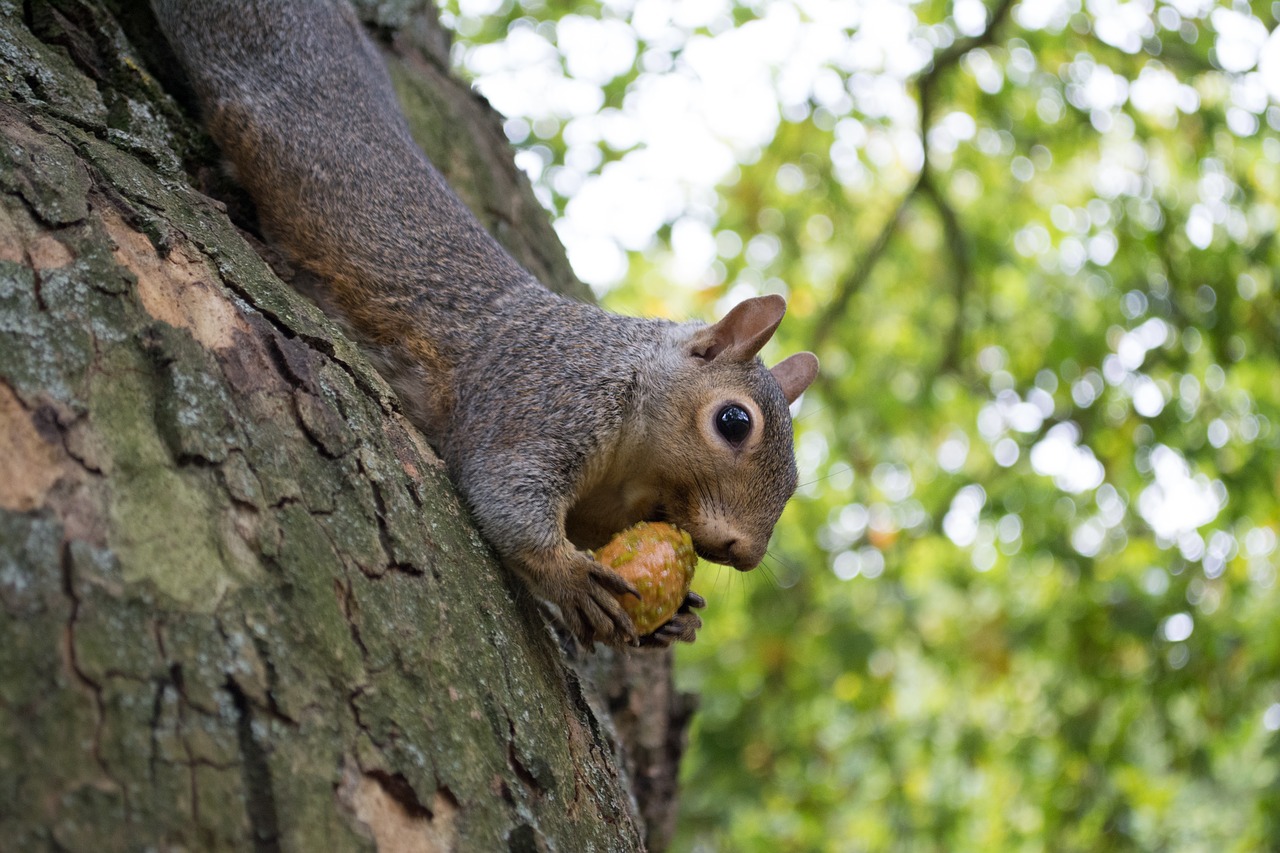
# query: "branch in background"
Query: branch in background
{"points": [[944, 59], [961, 270], [957, 242], [851, 285]]}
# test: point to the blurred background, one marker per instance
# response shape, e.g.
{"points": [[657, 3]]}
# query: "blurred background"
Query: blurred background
{"points": [[1026, 596]]}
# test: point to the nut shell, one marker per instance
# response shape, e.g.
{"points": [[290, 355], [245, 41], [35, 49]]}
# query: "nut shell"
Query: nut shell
{"points": [[658, 559]]}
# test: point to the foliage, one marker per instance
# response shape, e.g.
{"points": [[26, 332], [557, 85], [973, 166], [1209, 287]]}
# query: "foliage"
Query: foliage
{"points": [[1026, 597]]}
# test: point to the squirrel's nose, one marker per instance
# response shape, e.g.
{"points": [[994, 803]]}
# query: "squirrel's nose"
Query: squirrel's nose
{"points": [[730, 551], [744, 556], [720, 541]]}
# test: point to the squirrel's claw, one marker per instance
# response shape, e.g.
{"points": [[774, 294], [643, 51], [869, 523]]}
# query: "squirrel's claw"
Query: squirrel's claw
{"points": [[682, 627], [589, 622], [602, 612], [613, 581], [585, 594]]}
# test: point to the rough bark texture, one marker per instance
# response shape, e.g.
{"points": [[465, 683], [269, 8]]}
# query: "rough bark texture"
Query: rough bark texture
{"points": [[240, 603]]}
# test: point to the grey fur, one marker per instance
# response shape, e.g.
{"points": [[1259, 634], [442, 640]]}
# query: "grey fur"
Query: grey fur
{"points": [[557, 420]]}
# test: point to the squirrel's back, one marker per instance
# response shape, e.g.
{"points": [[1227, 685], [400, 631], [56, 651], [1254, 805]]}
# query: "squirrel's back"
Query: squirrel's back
{"points": [[297, 91]]}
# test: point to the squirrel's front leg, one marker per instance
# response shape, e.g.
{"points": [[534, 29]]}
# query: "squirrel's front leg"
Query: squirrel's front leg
{"points": [[520, 508], [584, 591]]}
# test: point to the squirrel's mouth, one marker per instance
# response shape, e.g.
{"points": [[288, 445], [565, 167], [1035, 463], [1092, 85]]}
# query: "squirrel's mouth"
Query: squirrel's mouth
{"points": [[658, 513], [707, 552], [715, 555]]}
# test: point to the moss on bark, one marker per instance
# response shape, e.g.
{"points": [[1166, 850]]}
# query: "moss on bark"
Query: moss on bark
{"points": [[240, 601]]}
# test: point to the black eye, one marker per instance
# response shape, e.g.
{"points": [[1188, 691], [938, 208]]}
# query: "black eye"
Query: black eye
{"points": [[734, 424]]}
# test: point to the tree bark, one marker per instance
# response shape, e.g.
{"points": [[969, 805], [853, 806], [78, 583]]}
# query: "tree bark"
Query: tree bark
{"points": [[240, 603]]}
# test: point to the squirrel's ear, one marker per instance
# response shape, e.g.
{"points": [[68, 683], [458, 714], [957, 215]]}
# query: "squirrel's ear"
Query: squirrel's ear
{"points": [[794, 373], [743, 331]]}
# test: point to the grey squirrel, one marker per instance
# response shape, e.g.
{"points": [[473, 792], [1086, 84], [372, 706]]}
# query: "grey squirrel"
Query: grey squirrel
{"points": [[561, 424]]}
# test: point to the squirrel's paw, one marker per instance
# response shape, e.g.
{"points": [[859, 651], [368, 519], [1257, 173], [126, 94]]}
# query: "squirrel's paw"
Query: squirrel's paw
{"points": [[682, 627], [585, 593]]}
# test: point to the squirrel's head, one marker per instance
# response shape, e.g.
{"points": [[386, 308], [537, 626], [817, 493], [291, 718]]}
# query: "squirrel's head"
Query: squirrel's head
{"points": [[731, 473]]}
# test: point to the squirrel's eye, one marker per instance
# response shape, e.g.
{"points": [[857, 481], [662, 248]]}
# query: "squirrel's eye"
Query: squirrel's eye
{"points": [[734, 424]]}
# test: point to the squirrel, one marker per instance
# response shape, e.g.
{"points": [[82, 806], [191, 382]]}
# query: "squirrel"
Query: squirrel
{"points": [[559, 423]]}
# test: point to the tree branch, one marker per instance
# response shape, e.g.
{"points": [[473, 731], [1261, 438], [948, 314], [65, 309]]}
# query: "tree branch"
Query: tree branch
{"points": [[961, 269], [851, 285], [861, 272], [949, 56]]}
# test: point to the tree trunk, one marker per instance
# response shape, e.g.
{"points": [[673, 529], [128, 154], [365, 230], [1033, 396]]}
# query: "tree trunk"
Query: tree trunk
{"points": [[240, 603]]}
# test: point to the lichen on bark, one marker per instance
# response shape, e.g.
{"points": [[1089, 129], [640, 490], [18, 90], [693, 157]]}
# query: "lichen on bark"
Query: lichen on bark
{"points": [[240, 602]]}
